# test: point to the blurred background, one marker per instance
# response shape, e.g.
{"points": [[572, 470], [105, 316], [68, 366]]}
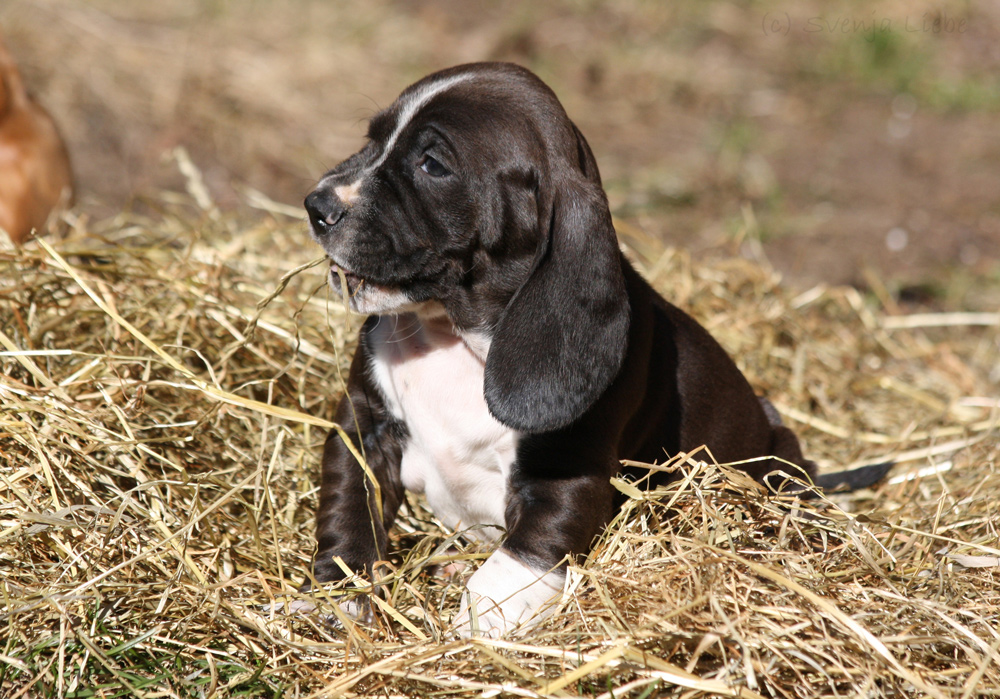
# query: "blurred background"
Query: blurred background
{"points": [[857, 142]]}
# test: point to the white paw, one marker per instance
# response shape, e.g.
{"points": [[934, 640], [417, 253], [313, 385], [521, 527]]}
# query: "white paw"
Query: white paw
{"points": [[356, 609], [289, 607], [505, 593]]}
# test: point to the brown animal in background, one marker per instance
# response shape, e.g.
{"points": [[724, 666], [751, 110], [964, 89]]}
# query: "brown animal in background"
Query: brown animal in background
{"points": [[35, 174]]}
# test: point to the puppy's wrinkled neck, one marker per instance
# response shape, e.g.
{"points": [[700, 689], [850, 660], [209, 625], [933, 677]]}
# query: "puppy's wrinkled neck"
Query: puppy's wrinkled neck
{"points": [[432, 320]]}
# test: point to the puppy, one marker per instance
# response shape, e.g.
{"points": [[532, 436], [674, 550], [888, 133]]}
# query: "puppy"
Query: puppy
{"points": [[512, 356], [35, 174]]}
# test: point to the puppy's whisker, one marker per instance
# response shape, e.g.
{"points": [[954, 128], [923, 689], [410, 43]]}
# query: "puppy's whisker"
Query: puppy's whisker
{"points": [[415, 326], [475, 263], [415, 332]]}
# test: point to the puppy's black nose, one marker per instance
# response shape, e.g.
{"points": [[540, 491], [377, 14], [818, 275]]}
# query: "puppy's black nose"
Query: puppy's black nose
{"points": [[325, 210]]}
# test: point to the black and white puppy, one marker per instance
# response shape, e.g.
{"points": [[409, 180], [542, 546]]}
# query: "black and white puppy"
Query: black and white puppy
{"points": [[512, 356]]}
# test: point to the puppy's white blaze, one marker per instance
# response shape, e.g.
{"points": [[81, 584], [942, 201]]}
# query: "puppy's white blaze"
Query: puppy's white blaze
{"points": [[505, 593], [410, 108], [348, 193]]}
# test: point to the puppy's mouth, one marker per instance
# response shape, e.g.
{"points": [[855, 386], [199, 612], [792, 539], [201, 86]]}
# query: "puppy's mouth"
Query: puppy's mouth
{"points": [[362, 295], [354, 282]]}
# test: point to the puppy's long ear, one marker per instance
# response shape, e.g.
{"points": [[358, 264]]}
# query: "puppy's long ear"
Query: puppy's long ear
{"points": [[562, 338]]}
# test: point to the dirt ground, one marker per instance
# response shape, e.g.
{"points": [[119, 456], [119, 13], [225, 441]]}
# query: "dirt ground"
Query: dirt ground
{"points": [[166, 384], [859, 145]]}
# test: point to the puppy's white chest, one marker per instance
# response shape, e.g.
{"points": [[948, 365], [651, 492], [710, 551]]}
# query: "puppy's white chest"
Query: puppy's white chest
{"points": [[457, 453]]}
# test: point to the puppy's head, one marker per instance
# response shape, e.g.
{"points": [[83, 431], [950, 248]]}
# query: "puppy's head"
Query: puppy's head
{"points": [[476, 192]]}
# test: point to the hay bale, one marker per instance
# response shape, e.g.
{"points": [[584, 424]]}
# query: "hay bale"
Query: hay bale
{"points": [[166, 384]]}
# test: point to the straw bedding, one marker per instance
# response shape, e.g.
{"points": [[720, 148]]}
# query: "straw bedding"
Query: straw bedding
{"points": [[165, 385]]}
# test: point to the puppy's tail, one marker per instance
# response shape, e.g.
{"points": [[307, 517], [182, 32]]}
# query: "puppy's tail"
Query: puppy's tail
{"points": [[838, 482], [854, 479]]}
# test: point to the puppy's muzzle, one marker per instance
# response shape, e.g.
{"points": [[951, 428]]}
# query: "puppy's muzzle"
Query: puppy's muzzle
{"points": [[325, 211]]}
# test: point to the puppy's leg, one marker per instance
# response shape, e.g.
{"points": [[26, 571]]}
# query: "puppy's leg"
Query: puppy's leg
{"points": [[349, 525], [351, 522], [550, 516], [348, 522]]}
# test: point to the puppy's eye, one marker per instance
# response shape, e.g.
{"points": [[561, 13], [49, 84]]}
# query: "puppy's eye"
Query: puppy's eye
{"points": [[432, 167]]}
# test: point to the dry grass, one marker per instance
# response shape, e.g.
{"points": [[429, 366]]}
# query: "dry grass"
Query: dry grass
{"points": [[165, 384]]}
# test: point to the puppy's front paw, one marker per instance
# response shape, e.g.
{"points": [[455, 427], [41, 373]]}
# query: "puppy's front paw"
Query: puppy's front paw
{"points": [[505, 593], [289, 607], [357, 609]]}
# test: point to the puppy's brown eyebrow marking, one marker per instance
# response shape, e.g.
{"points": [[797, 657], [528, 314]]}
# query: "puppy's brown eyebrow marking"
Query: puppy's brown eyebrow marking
{"points": [[348, 193]]}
